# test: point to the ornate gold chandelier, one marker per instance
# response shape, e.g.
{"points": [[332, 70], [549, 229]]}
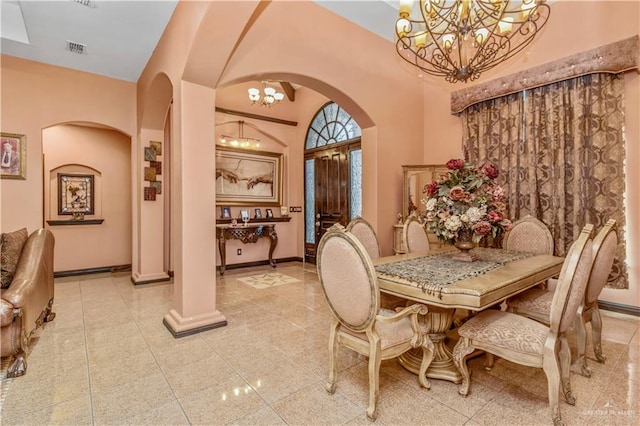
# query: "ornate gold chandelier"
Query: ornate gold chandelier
{"points": [[460, 39]]}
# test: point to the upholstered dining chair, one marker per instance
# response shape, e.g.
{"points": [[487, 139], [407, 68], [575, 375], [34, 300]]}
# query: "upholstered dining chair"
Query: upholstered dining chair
{"points": [[536, 303], [364, 232], [415, 236], [528, 342], [530, 235], [350, 287]]}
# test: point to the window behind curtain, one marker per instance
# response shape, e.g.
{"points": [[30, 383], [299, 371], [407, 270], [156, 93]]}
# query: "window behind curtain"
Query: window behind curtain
{"points": [[561, 151]]}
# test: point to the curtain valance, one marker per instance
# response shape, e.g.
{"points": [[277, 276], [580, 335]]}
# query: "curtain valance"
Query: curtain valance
{"points": [[611, 58]]}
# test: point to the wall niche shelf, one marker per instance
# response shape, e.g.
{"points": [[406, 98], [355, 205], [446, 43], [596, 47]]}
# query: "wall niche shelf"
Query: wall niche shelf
{"points": [[75, 222]]}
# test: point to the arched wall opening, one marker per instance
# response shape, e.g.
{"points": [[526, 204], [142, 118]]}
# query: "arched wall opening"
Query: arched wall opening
{"points": [[152, 188], [86, 171], [311, 93]]}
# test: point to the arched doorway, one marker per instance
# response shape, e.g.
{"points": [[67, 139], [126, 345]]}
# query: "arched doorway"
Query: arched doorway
{"points": [[333, 174]]}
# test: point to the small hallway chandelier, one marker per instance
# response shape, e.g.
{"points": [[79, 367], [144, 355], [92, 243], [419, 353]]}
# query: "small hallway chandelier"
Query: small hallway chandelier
{"points": [[269, 95], [239, 141], [460, 39]]}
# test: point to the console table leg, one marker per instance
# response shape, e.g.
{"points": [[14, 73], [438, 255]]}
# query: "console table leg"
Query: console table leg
{"points": [[223, 255], [273, 238]]}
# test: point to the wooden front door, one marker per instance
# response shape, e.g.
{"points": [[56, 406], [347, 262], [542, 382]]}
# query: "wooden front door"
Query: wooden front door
{"points": [[331, 168]]}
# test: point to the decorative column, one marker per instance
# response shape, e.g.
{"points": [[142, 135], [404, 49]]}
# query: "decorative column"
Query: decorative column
{"points": [[194, 297]]}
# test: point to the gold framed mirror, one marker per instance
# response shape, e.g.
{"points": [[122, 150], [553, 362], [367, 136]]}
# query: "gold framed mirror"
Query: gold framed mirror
{"points": [[415, 177]]}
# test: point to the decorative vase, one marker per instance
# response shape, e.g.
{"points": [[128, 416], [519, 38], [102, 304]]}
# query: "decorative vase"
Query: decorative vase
{"points": [[464, 243]]}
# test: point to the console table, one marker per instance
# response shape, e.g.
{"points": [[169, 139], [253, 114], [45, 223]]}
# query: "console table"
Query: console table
{"points": [[247, 234]]}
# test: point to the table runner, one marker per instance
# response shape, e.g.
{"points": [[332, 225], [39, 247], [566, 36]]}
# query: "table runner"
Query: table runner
{"points": [[433, 272]]}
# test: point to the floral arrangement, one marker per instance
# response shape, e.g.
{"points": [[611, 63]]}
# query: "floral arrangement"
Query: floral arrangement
{"points": [[466, 200]]}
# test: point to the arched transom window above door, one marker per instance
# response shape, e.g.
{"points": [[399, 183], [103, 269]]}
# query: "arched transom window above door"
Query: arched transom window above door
{"points": [[331, 125]]}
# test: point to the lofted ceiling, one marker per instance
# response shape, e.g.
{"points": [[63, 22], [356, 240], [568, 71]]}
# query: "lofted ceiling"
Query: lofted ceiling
{"points": [[120, 36]]}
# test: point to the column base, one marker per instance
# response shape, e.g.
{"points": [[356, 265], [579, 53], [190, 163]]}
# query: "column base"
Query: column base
{"points": [[181, 327], [138, 279]]}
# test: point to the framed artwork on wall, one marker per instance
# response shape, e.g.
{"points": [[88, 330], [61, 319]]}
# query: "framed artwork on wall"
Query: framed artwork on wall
{"points": [[13, 160], [156, 146], [225, 212], [149, 154], [247, 177], [157, 185], [75, 194]]}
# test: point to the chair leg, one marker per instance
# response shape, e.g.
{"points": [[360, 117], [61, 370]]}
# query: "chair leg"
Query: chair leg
{"points": [[19, 365], [552, 371], [565, 366], [460, 352], [427, 358], [581, 334], [375, 358], [333, 358], [596, 333]]}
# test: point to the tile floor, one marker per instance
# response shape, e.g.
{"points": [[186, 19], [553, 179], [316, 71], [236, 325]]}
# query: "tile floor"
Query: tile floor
{"points": [[108, 359]]}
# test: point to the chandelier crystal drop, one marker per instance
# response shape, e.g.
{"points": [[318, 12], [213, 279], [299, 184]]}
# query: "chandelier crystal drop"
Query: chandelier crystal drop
{"points": [[269, 95], [460, 39]]}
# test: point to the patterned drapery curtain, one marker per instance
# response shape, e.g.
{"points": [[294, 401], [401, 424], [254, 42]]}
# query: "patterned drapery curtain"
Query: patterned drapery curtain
{"points": [[561, 151]]}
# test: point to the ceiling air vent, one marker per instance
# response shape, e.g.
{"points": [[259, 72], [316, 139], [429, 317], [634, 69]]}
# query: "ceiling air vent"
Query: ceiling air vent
{"points": [[88, 3], [78, 48]]}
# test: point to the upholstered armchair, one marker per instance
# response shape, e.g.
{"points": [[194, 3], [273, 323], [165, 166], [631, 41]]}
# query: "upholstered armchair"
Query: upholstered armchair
{"points": [[415, 235], [26, 302], [536, 303], [350, 287], [528, 342]]}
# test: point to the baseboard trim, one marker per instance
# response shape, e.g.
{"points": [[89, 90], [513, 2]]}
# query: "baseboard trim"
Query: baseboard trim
{"points": [[101, 270], [260, 263], [620, 308]]}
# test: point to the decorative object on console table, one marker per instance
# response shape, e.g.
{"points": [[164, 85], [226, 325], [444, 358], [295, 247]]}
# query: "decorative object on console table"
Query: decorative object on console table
{"points": [[269, 213], [247, 177], [13, 157], [466, 205], [244, 215], [75, 194], [258, 214], [284, 211], [225, 212]]}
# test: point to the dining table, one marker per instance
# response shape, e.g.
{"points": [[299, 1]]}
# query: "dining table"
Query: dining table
{"points": [[444, 284]]}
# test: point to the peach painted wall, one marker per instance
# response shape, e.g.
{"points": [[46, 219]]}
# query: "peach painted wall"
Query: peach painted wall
{"points": [[572, 28], [106, 154], [36, 96]]}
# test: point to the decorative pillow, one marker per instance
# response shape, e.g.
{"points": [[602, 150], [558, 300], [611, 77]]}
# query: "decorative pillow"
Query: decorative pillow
{"points": [[10, 251]]}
